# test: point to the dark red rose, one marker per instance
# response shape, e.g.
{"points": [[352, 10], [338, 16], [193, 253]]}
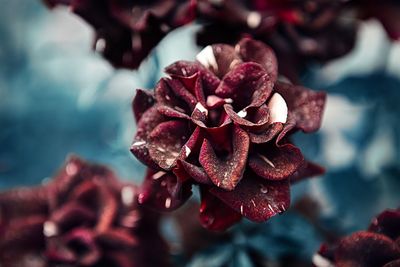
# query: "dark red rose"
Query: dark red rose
{"points": [[84, 217], [127, 30], [223, 123], [300, 32], [379, 246]]}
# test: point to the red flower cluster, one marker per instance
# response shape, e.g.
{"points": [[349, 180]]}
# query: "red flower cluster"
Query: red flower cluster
{"points": [[84, 217], [127, 30], [223, 123], [379, 246]]}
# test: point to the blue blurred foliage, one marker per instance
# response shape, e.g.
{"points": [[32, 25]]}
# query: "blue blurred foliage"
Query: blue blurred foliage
{"points": [[57, 97]]}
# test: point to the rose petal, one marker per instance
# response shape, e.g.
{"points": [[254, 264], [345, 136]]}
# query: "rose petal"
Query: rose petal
{"points": [[71, 215], [83, 237], [143, 100], [245, 83], [226, 173], [166, 142], [256, 198], [387, 223], [172, 113], [107, 210], [214, 214], [267, 135], [276, 163], [252, 119], [22, 233], [226, 58], [305, 106], [162, 191], [150, 119], [308, 170], [166, 96], [116, 238], [181, 92], [365, 249], [196, 173], [255, 51], [23, 202], [182, 70]]}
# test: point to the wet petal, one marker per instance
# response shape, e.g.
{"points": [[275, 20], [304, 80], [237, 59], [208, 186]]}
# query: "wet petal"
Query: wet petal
{"points": [[307, 170], [255, 51], [172, 113], [387, 223], [276, 163], [256, 198], [252, 119], [143, 100], [166, 142], [226, 58], [214, 214], [267, 135], [150, 119], [196, 173], [166, 96], [304, 105], [245, 83], [184, 70], [162, 191], [365, 249], [226, 173]]}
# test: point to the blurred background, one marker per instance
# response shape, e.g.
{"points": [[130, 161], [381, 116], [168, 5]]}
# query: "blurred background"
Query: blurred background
{"points": [[58, 97]]}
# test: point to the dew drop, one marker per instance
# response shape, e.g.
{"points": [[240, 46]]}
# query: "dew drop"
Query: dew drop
{"points": [[168, 202], [50, 229], [71, 169], [263, 189]]}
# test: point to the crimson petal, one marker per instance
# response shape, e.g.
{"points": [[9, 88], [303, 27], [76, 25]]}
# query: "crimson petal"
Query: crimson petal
{"points": [[166, 96], [309, 169], [245, 83], [266, 136], [162, 191], [255, 51], [116, 239], [256, 198], [226, 173], [276, 163], [184, 70], [172, 113], [226, 58], [150, 119], [253, 120], [84, 237], [387, 223], [196, 173], [72, 214], [143, 100], [356, 250], [306, 106], [214, 214], [166, 142], [22, 202]]}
